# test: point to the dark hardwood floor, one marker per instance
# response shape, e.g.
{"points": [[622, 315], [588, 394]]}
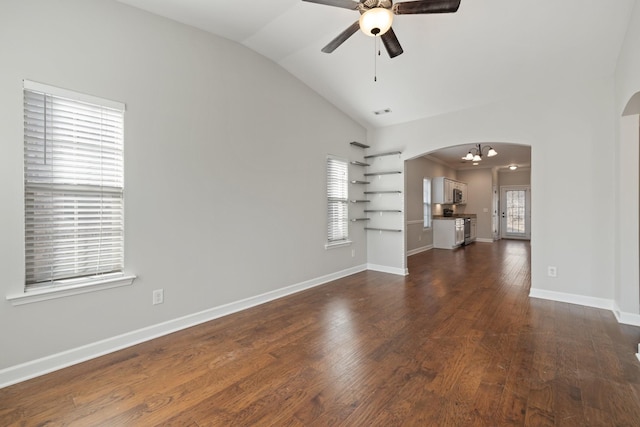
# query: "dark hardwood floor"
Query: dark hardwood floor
{"points": [[456, 343]]}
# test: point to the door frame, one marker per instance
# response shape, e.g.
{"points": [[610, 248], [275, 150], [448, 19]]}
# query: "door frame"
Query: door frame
{"points": [[527, 212]]}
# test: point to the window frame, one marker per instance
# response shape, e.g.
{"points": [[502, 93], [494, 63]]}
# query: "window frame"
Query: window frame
{"points": [[427, 205], [55, 287], [337, 196]]}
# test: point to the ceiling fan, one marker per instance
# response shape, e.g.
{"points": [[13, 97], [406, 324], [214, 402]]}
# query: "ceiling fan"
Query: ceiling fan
{"points": [[376, 17]]}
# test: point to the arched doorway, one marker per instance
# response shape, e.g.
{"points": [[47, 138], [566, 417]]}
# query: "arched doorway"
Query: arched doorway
{"points": [[483, 180], [627, 290]]}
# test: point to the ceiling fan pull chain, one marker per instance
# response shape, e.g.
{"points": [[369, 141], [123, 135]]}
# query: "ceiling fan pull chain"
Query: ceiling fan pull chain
{"points": [[375, 59]]}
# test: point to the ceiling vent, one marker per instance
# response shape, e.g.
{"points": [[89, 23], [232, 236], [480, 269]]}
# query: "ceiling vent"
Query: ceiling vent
{"points": [[381, 112]]}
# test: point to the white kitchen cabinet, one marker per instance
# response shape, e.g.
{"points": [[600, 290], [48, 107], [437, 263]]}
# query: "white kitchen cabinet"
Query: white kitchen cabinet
{"points": [[442, 190], [462, 186], [448, 233]]}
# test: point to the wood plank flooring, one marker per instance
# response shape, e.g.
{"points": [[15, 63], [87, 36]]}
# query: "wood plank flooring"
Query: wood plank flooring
{"points": [[456, 343]]}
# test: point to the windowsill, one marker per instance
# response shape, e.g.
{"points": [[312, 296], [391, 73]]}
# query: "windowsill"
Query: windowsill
{"points": [[337, 244], [61, 291]]}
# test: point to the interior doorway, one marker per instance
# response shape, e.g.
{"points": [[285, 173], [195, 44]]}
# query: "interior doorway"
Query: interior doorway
{"points": [[515, 212]]}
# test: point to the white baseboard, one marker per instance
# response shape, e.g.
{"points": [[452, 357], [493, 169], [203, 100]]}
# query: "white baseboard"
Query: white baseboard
{"points": [[622, 317], [625, 318], [45, 365], [482, 240], [386, 269], [572, 298], [419, 250]]}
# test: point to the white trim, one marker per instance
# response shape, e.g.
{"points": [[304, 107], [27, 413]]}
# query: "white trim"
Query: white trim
{"points": [[54, 362], [84, 287], [416, 221], [603, 303], [625, 318], [339, 244], [483, 240], [390, 270], [69, 94], [419, 250]]}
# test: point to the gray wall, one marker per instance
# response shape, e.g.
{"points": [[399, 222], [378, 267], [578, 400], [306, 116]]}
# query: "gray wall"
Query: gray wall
{"points": [[225, 169], [516, 177], [479, 198]]}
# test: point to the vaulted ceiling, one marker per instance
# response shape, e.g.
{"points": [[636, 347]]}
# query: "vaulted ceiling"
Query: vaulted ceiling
{"points": [[487, 51]]}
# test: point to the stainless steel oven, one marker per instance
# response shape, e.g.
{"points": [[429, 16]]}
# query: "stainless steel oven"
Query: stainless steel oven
{"points": [[467, 231]]}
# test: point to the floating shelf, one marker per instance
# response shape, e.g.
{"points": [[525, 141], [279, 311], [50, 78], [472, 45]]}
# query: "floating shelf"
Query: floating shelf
{"points": [[383, 229], [382, 173], [358, 144], [359, 219], [390, 153], [360, 201], [383, 192], [357, 163], [360, 182], [382, 210]]}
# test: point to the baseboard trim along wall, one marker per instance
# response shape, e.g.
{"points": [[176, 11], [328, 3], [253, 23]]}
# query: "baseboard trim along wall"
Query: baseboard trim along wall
{"points": [[622, 317], [419, 250], [626, 318], [386, 269], [572, 298], [483, 240], [45, 365]]}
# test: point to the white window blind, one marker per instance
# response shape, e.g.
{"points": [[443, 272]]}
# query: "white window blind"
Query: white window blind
{"points": [[337, 200], [73, 163], [426, 194]]}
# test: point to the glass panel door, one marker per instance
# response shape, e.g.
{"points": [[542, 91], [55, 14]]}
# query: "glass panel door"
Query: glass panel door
{"points": [[515, 209]]}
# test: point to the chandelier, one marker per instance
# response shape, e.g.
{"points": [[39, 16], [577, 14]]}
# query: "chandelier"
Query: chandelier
{"points": [[475, 154]]}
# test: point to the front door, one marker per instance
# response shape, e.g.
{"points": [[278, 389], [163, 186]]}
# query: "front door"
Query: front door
{"points": [[515, 208]]}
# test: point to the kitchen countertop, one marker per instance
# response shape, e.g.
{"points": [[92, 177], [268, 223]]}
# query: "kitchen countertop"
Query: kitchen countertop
{"points": [[456, 216]]}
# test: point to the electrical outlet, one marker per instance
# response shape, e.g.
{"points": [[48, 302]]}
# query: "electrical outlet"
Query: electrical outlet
{"points": [[158, 296], [552, 271]]}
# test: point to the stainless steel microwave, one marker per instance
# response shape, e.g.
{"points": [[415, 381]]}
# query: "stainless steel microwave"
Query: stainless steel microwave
{"points": [[457, 195]]}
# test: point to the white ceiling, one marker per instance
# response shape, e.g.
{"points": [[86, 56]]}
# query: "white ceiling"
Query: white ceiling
{"points": [[488, 50]]}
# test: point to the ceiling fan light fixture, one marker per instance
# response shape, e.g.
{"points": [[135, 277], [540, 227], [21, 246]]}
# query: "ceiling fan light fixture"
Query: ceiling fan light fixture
{"points": [[469, 156], [477, 158], [376, 21], [492, 152]]}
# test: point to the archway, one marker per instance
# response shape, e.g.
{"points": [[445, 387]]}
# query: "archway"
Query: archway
{"points": [[482, 179], [627, 289]]}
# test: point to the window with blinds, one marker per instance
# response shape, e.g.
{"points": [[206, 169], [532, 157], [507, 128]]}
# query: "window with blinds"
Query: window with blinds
{"points": [[73, 186], [426, 197], [337, 201]]}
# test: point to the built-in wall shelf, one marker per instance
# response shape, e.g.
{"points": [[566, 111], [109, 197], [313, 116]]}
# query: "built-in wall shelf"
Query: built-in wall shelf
{"points": [[390, 153], [359, 219], [357, 163], [383, 192], [383, 229], [360, 182], [360, 201], [382, 173], [382, 210], [359, 144]]}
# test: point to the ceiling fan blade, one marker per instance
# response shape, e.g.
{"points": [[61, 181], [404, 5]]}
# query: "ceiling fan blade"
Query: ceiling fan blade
{"points": [[391, 43], [342, 37], [426, 6], [346, 4]]}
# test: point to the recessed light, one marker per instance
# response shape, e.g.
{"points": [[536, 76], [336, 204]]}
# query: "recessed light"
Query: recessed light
{"points": [[513, 167], [476, 164], [380, 112]]}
